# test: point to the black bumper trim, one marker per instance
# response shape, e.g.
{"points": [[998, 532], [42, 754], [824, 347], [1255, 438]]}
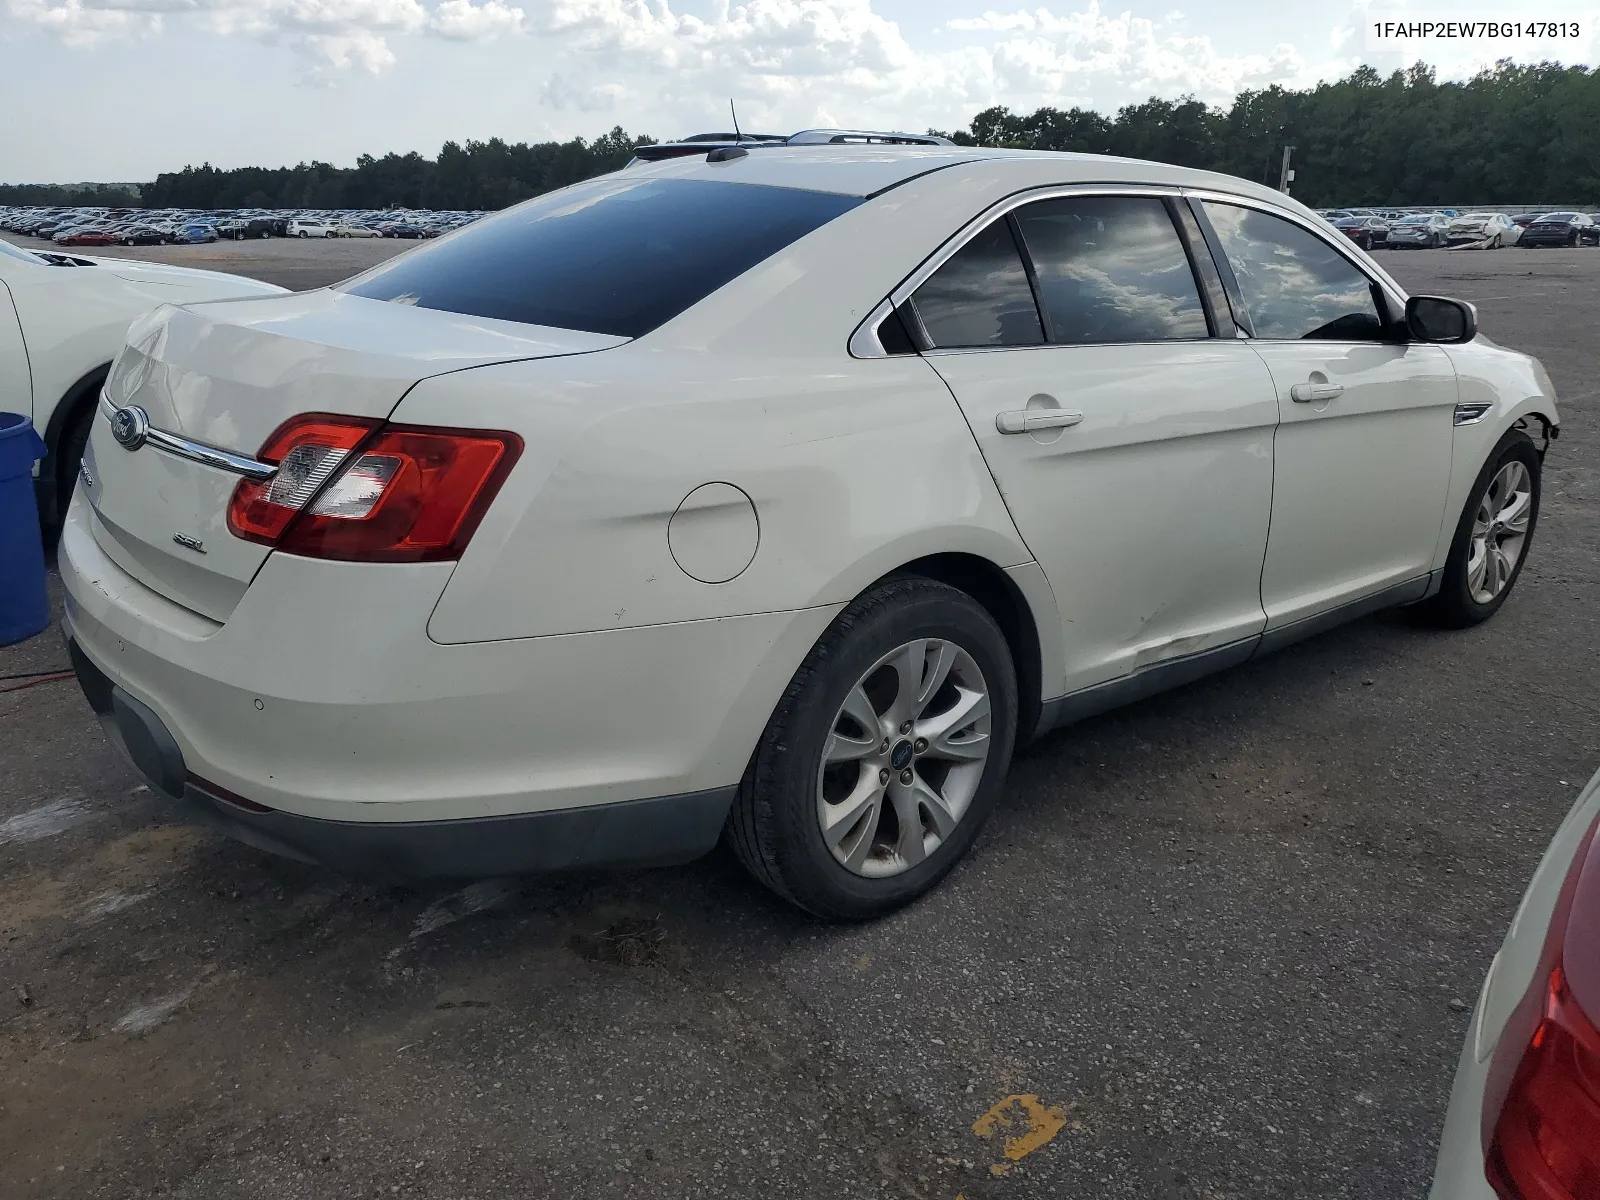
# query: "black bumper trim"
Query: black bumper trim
{"points": [[660, 831]]}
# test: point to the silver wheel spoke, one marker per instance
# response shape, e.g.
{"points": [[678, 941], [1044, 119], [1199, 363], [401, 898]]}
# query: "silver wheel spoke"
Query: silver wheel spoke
{"points": [[1477, 566], [866, 758], [944, 821], [841, 748], [910, 846], [859, 709], [944, 657], [865, 801], [908, 662], [945, 732], [1514, 516]]}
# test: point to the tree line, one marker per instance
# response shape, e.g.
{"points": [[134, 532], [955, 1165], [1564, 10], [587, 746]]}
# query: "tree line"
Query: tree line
{"points": [[1510, 133], [56, 195]]}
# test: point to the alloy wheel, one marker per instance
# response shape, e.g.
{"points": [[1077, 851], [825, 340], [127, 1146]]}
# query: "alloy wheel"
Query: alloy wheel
{"points": [[1499, 531], [904, 757]]}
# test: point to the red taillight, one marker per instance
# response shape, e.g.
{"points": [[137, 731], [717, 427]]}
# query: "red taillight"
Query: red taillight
{"points": [[360, 491], [1547, 1141], [306, 451]]}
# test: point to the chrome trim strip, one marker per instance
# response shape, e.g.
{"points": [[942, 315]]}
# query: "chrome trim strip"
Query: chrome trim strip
{"points": [[864, 342], [200, 452], [1471, 414], [1371, 270], [998, 209]]}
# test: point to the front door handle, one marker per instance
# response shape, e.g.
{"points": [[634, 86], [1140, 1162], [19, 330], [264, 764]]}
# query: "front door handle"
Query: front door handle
{"points": [[1026, 420], [1311, 393]]}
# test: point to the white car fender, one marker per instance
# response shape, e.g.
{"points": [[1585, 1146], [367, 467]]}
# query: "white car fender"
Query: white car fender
{"points": [[1515, 387], [16, 376]]}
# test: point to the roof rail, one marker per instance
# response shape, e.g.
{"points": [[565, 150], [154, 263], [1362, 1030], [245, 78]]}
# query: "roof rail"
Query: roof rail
{"points": [[839, 137], [735, 137], [702, 143]]}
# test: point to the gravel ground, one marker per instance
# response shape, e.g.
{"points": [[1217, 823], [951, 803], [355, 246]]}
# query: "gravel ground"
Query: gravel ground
{"points": [[1222, 943]]}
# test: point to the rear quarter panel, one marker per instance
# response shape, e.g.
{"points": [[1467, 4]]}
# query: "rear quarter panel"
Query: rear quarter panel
{"points": [[853, 468]]}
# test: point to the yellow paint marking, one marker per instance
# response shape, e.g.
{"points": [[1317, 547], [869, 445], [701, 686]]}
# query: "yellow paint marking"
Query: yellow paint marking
{"points": [[998, 1169], [1043, 1123]]}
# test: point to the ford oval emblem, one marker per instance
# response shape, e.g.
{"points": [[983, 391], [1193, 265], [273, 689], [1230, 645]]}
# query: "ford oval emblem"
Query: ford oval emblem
{"points": [[130, 426]]}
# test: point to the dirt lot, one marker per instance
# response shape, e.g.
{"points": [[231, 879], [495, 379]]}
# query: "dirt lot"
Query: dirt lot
{"points": [[1227, 938], [289, 262]]}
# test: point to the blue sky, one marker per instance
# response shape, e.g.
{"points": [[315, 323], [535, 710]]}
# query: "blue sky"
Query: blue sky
{"points": [[122, 89]]}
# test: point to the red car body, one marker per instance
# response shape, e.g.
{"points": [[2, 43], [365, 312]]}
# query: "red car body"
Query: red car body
{"points": [[89, 237]]}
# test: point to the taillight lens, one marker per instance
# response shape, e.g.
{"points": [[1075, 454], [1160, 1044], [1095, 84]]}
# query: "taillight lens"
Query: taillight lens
{"points": [[363, 492], [306, 450], [1547, 1141]]}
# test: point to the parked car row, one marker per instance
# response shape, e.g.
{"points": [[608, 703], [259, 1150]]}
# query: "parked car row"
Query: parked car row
{"points": [[150, 227], [1395, 230]]}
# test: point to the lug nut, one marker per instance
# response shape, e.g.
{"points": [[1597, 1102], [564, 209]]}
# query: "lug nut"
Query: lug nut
{"points": [[884, 749], [883, 775], [905, 727], [906, 776], [920, 745]]}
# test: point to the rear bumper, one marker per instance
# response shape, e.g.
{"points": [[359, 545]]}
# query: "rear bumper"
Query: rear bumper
{"points": [[322, 702], [660, 831]]}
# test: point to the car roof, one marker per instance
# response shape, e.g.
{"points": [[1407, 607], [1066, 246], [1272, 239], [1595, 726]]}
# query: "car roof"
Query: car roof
{"points": [[868, 170]]}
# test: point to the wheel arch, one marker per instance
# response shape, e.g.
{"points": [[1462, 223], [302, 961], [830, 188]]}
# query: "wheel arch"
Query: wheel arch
{"points": [[998, 591], [81, 395]]}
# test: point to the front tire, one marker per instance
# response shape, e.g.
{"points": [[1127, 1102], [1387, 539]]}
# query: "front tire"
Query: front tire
{"points": [[885, 755], [1492, 537]]}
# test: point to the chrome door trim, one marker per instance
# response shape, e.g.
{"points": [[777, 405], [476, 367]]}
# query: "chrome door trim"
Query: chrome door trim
{"points": [[193, 451], [864, 341], [1392, 290], [1001, 207]]}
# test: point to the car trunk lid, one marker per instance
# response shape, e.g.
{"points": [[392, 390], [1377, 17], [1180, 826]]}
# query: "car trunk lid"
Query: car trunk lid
{"points": [[227, 374]]}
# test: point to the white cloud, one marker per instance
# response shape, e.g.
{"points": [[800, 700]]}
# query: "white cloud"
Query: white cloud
{"points": [[787, 62], [332, 35], [78, 24], [476, 22]]}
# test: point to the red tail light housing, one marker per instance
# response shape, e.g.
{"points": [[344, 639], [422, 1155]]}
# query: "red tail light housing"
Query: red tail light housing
{"points": [[360, 490], [1546, 1143]]}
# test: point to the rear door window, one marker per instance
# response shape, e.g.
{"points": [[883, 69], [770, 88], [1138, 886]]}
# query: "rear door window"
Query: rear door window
{"points": [[617, 255], [1294, 284], [981, 295], [1111, 269]]}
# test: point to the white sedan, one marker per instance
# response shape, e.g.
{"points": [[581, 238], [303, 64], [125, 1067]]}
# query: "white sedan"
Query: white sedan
{"points": [[1524, 1116], [776, 493], [63, 317], [1493, 229]]}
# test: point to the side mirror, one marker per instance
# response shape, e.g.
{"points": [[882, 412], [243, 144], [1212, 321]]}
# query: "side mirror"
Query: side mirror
{"points": [[1439, 319]]}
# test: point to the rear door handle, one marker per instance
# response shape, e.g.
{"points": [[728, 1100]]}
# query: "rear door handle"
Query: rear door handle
{"points": [[1310, 393], [1026, 420]]}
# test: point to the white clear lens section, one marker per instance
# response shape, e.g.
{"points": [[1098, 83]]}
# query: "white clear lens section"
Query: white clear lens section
{"points": [[357, 490], [302, 471]]}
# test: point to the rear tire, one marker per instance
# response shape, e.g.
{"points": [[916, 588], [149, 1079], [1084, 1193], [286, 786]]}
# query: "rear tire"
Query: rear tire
{"points": [[69, 455], [775, 826], [1456, 606]]}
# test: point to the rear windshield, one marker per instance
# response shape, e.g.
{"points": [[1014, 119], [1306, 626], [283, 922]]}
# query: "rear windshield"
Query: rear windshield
{"points": [[617, 255]]}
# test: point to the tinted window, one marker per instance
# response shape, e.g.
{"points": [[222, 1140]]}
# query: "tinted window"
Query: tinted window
{"points": [[617, 255], [1111, 269], [1293, 284], [981, 296]]}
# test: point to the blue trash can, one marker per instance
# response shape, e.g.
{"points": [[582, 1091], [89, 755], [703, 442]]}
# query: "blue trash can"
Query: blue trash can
{"points": [[24, 603]]}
